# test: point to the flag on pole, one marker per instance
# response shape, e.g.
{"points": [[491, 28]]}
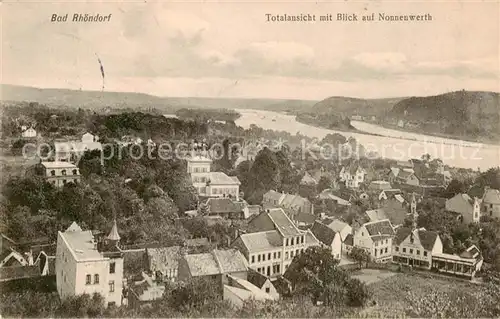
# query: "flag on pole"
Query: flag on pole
{"points": [[102, 69]]}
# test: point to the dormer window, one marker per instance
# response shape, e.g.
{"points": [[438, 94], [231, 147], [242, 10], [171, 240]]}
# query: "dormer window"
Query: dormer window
{"points": [[53, 173], [75, 172], [63, 172]]}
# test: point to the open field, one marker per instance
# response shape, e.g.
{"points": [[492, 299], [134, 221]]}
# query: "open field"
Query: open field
{"points": [[421, 295]]}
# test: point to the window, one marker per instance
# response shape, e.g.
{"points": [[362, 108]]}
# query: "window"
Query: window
{"points": [[253, 259], [269, 256], [385, 249], [286, 255], [302, 240], [279, 254], [397, 248], [96, 279], [53, 172], [75, 172], [63, 172], [404, 250], [88, 280], [292, 242], [112, 267], [425, 254], [362, 234], [411, 251], [376, 243], [375, 252], [387, 241], [258, 258], [286, 242], [64, 181], [263, 257], [418, 252], [291, 254], [274, 255], [112, 286], [268, 289]]}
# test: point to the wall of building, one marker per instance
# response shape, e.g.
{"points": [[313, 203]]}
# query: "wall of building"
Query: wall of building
{"points": [[66, 273]]}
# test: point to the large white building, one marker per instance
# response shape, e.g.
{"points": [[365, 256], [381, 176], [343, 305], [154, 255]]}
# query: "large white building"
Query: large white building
{"points": [[211, 184], [275, 242], [59, 173], [83, 268]]}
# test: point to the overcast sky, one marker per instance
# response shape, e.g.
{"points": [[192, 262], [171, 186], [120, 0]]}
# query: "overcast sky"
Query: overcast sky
{"points": [[229, 50]]}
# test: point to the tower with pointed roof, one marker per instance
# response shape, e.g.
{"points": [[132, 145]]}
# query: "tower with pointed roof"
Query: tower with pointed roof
{"points": [[113, 238], [413, 211]]}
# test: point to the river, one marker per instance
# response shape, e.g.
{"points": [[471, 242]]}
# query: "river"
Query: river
{"points": [[391, 144]]}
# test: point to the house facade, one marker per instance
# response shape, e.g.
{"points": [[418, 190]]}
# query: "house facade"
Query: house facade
{"points": [[163, 263], [468, 208], [59, 173], [29, 133], [273, 242], [211, 184], [352, 175], [491, 203], [416, 247], [328, 238], [82, 268], [376, 239], [295, 203]]}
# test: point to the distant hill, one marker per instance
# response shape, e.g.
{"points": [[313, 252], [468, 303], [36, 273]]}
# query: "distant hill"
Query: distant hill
{"points": [[460, 113], [348, 106], [98, 99]]}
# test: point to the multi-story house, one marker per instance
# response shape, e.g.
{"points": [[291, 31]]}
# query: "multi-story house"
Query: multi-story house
{"points": [[29, 133], [376, 239], [352, 175], [328, 238], [491, 202], [468, 208], [58, 173], [273, 242], [407, 177], [84, 265], [414, 247], [211, 184]]}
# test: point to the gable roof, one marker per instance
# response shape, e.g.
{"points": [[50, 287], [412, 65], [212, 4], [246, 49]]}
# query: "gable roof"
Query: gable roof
{"points": [[382, 227], [336, 225], [308, 180], [216, 262], [352, 168], [164, 258], [282, 223], [427, 238], [376, 214], [492, 196], [323, 233], [260, 241], [230, 260], [292, 201], [349, 240], [220, 178], [403, 174], [256, 278]]}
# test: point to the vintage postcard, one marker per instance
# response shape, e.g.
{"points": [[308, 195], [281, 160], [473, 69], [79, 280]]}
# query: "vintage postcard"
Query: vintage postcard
{"points": [[236, 159]]}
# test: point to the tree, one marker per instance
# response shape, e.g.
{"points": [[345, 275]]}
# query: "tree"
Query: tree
{"points": [[84, 305], [455, 187], [324, 183], [195, 293], [360, 255]]}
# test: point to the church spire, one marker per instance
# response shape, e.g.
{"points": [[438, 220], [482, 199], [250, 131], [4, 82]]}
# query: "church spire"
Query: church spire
{"points": [[413, 211], [113, 234]]}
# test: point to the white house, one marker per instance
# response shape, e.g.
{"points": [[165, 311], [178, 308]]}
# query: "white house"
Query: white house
{"points": [[211, 184], [59, 173], [376, 239], [352, 175], [29, 133], [416, 247], [83, 268], [328, 238], [468, 208]]}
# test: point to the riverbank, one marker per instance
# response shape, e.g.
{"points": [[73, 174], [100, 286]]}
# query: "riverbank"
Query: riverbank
{"points": [[417, 130]]}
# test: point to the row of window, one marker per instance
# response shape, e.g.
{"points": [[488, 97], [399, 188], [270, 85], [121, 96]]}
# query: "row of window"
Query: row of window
{"points": [[381, 242], [200, 169], [382, 251], [276, 255], [223, 190], [88, 281], [417, 251], [63, 172], [266, 271], [294, 241], [200, 179]]}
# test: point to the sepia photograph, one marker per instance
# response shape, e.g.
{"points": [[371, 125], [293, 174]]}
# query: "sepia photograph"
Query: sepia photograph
{"points": [[250, 159]]}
